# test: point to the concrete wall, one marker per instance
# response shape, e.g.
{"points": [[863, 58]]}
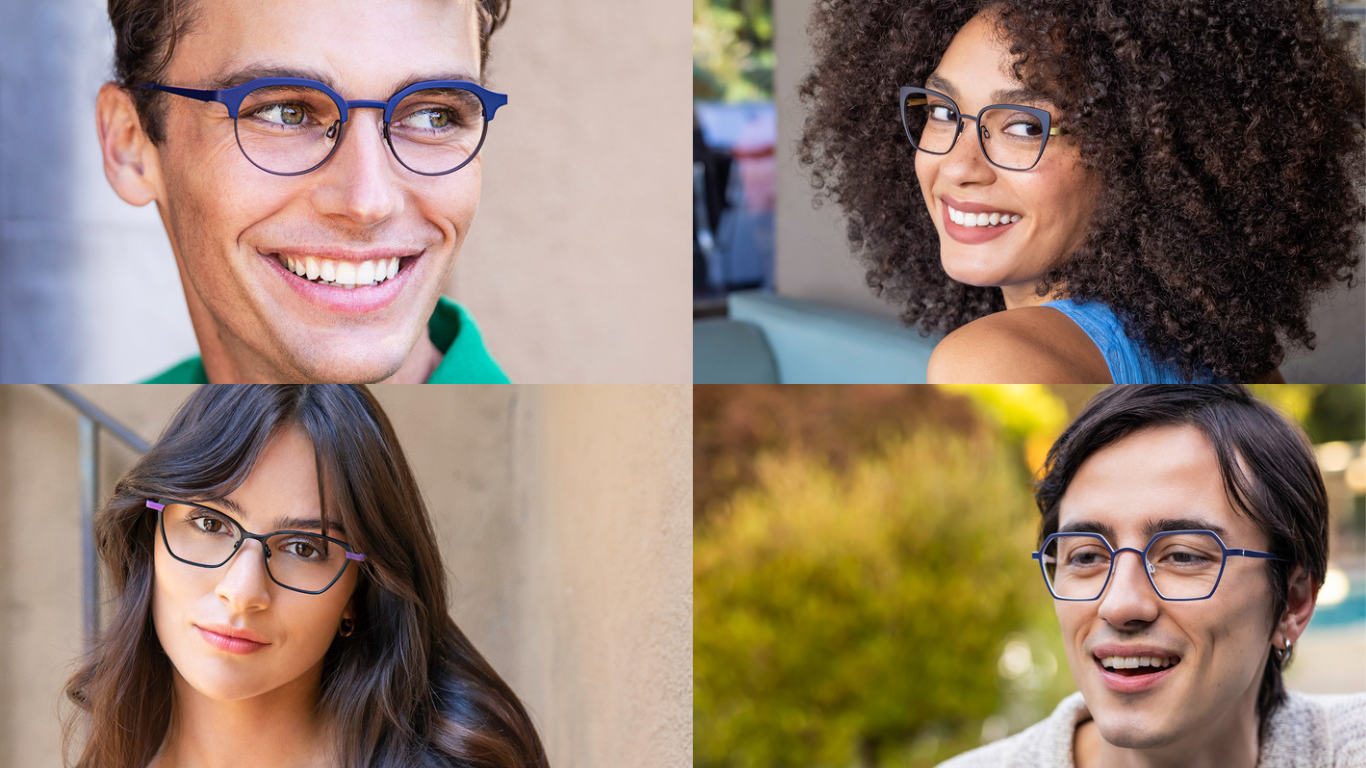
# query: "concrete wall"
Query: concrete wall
{"points": [[576, 267], [563, 515], [813, 259]]}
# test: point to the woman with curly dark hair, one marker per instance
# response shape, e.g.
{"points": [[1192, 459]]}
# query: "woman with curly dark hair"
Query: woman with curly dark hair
{"points": [[1156, 191]]}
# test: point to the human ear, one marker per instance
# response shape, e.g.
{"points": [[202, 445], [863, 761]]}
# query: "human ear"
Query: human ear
{"points": [[1299, 608], [130, 158]]}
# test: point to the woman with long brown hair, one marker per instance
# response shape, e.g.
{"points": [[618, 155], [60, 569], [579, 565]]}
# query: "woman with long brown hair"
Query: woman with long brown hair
{"points": [[280, 601]]}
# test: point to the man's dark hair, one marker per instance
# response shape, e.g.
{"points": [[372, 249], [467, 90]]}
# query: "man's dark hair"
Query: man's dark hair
{"points": [[145, 34], [1268, 469]]}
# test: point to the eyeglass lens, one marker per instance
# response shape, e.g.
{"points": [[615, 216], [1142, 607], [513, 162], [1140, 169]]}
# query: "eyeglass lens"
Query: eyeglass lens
{"points": [[1012, 138], [291, 129], [298, 560], [1182, 566]]}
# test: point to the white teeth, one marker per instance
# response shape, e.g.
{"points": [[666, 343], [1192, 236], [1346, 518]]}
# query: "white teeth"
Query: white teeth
{"points": [[1134, 662], [365, 273], [969, 220], [346, 272], [342, 274]]}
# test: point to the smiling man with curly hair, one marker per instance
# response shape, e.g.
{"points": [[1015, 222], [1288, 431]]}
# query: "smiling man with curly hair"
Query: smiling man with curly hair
{"points": [[1154, 191]]}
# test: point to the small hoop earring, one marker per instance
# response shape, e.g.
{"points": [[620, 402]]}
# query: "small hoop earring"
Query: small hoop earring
{"points": [[348, 626], [1284, 655]]}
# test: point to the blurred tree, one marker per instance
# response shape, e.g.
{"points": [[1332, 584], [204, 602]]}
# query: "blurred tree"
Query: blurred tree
{"points": [[732, 425], [842, 616], [1338, 413], [733, 56]]}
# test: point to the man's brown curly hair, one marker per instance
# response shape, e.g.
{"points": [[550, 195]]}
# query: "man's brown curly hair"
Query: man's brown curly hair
{"points": [[145, 34], [1228, 135]]}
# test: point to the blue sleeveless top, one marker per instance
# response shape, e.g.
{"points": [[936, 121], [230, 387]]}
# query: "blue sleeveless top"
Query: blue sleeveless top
{"points": [[1128, 361]]}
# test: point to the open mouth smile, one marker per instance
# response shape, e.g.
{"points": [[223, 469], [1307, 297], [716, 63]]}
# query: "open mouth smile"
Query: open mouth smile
{"points": [[344, 286], [1137, 673], [341, 274]]}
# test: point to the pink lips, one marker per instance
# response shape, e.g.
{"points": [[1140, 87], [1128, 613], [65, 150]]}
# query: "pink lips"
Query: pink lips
{"points": [[236, 645], [971, 235], [340, 300], [1136, 684]]}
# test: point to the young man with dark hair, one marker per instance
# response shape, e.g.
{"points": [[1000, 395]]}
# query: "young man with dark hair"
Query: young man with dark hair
{"points": [[316, 166], [1184, 541]]}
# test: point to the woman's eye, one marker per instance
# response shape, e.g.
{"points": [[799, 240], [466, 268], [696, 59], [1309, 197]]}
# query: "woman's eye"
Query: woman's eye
{"points": [[283, 114], [1025, 129], [207, 524], [301, 549], [941, 112]]}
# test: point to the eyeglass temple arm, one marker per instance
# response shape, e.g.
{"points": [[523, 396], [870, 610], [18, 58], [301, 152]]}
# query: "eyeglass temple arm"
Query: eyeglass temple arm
{"points": [[1254, 553], [153, 505], [188, 92]]}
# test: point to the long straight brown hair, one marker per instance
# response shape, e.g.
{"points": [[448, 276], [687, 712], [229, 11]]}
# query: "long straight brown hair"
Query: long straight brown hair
{"points": [[406, 689]]}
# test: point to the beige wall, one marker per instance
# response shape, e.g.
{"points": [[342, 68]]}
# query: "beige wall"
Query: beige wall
{"points": [[577, 267], [563, 514], [813, 259]]}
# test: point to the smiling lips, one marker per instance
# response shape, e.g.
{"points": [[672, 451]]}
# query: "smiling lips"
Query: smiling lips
{"points": [[338, 273], [1133, 670], [974, 223]]}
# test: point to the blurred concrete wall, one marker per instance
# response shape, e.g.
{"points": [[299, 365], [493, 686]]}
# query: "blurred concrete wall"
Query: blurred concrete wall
{"points": [[813, 260], [576, 268], [563, 515]]}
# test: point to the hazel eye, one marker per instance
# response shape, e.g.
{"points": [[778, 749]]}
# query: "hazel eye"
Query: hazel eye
{"points": [[282, 114]]}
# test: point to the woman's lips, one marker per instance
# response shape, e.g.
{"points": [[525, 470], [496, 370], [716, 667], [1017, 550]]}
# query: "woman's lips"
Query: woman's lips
{"points": [[971, 235], [235, 645]]}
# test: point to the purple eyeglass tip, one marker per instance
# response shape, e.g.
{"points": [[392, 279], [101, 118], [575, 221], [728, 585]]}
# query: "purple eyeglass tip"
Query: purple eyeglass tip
{"points": [[354, 556], [153, 505]]}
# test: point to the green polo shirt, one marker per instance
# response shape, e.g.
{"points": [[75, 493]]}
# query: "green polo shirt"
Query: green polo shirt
{"points": [[451, 329]]}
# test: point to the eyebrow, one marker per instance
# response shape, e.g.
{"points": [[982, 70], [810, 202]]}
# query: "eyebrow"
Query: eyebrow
{"points": [[282, 523], [1150, 528], [253, 71], [1002, 96]]}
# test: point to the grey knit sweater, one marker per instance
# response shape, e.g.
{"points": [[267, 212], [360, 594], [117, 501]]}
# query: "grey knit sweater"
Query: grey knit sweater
{"points": [[1306, 732]]}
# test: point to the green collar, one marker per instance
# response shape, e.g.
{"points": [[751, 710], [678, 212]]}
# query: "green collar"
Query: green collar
{"points": [[464, 360]]}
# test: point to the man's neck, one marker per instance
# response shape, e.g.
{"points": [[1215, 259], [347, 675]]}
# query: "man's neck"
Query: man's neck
{"points": [[1232, 743]]}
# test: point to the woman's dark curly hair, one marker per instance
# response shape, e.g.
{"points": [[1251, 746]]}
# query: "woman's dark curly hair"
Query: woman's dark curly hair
{"points": [[1228, 136]]}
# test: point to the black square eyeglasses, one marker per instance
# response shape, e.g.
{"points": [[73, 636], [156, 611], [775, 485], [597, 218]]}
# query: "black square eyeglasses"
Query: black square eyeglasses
{"points": [[1012, 137], [206, 537]]}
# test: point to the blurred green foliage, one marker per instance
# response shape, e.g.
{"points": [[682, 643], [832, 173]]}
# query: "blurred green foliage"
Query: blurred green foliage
{"points": [[732, 44], [859, 615]]}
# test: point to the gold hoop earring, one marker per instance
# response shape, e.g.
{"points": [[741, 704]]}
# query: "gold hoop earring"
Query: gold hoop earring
{"points": [[348, 626]]}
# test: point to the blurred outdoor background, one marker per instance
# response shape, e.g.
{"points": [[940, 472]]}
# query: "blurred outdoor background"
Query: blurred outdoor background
{"points": [[837, 620], [735, 130]]}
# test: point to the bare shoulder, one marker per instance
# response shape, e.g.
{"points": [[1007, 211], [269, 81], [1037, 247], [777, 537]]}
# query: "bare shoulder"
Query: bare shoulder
{"points": [[1033, 345]]}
